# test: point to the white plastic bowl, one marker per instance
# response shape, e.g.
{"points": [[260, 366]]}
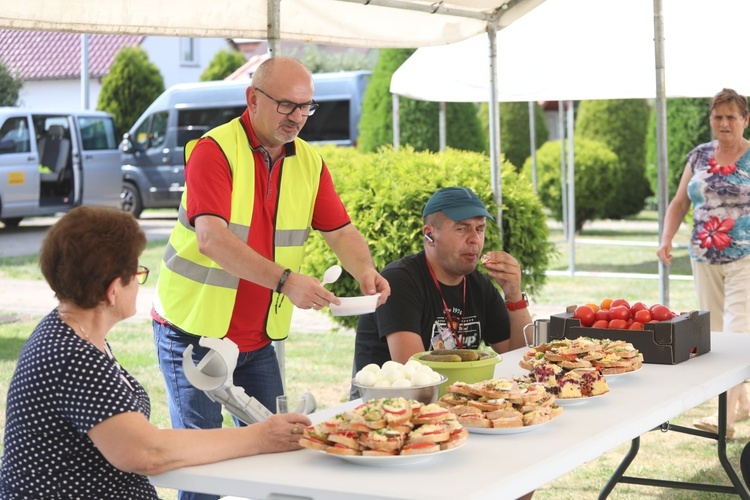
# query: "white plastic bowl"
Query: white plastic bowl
{"points": [[353, 306]]}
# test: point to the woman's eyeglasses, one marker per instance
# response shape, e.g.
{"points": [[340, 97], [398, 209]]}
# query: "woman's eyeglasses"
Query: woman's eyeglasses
{"points": [[141, 274]]}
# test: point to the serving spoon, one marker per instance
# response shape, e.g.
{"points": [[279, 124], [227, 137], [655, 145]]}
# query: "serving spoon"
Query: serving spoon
{"points": [[331, 275]]}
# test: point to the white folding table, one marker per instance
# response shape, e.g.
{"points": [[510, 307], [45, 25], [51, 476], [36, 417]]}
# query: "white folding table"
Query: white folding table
{"points": [[492, 466]]}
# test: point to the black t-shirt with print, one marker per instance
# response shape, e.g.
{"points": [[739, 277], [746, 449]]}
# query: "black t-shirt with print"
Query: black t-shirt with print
{"points": [[415, 305], [62, 387]]}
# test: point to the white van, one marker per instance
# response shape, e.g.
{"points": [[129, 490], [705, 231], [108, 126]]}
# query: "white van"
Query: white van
{"points": [[153, 150], [51, 161]]}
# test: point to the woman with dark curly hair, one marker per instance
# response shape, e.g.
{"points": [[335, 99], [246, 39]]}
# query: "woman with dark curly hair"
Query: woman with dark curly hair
{"points": [[76, 421]]}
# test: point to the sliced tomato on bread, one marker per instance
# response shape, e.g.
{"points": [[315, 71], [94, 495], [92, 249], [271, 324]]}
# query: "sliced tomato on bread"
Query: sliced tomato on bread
{"points": [[430, 414]]}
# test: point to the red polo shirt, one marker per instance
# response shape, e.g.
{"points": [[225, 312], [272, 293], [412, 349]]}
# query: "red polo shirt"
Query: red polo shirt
{"points": [[210, 193]]}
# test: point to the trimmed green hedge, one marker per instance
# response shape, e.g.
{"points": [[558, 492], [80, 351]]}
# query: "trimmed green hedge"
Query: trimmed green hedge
{"points": [[386, 191], [621, 125], [596, 178]]}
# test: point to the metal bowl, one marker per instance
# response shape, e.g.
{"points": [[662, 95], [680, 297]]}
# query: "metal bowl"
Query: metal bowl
{"points": [[425, 394]]}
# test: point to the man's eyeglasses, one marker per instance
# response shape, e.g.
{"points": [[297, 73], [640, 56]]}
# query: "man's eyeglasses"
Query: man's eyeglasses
{"points": [[289, 107], [141, 274]]}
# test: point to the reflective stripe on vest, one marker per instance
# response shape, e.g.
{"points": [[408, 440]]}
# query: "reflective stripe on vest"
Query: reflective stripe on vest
{"points": [[193, 292]]}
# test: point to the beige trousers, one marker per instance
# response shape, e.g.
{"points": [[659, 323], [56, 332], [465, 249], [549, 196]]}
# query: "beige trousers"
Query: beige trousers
{"points": [[724, 291]]}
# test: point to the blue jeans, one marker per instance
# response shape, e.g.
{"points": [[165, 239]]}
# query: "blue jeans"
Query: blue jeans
{"points": [[257, 373]]}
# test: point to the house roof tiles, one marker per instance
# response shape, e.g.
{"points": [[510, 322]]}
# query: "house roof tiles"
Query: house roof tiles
{"points": [[42, 55]]}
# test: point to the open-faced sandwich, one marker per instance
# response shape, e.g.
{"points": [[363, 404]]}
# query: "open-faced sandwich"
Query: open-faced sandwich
{"points": [[522, 403], [383, 427]]}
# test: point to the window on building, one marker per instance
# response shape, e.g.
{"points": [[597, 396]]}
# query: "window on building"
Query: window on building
{"points": [[188, 51]]}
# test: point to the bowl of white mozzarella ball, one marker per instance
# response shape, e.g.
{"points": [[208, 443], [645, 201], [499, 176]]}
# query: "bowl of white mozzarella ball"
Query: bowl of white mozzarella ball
{"points": [[411, 381]]}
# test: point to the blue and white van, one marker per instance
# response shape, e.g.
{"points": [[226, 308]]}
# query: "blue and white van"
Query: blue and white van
{"points": [[153, 150], [52, 161]]}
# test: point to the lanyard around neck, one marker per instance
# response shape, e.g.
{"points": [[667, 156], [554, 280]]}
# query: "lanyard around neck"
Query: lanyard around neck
{"points": [[446, 309]]}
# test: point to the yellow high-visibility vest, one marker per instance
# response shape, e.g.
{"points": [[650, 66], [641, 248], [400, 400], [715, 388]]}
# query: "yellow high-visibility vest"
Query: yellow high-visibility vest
{"points": [[193, 292]]}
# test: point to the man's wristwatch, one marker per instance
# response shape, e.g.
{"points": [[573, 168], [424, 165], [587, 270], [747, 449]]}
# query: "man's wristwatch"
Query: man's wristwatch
{"points": [[521, 304]]}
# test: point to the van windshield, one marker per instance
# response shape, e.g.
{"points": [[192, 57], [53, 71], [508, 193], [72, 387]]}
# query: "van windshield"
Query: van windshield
{"points": [[193, 123], [329, 123]]}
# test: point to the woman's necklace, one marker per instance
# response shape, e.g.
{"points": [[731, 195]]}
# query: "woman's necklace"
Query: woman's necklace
{"points": [[714, 167], [67, 318]]}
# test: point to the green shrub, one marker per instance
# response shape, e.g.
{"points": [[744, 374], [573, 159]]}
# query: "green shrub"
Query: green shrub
{"points": [[687, 126], [130, 87], [386, 191], [515, 136], [596, 181], [620, 124], [320, 61], [376, 124], [10, 86], [224, 63], [418, 120]]}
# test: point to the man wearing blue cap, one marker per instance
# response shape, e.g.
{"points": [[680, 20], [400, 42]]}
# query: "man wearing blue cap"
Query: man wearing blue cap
{"points": [[439, 298]]}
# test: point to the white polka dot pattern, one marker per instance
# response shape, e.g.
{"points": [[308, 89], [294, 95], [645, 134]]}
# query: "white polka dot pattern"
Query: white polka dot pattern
{"points": [[62, 387]]}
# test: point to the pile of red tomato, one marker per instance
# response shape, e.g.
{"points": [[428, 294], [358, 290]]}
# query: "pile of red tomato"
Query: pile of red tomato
{"points": [[620, 315]]}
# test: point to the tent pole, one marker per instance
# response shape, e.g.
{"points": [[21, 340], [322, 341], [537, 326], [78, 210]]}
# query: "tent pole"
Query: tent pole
{"points": [[396, 121], [563, 176], [532, 143], [661, 140], [274, 29], [571, 191], [84, 71], [441, 126], [494, 106]]}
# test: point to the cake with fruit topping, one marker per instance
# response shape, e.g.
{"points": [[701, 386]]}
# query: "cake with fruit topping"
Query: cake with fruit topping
{"points": [[569, 386], [593, 382], [546, 374]]}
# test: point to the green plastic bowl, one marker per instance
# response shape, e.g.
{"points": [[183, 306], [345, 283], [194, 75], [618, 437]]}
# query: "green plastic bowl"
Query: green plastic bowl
{"points": [[464, 371]]}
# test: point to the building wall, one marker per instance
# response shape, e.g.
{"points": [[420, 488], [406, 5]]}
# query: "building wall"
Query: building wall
{"points": [[58, 94], [164, 52]]}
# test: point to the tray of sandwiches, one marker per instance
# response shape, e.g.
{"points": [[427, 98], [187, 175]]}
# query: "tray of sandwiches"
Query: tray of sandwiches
{"points": [[576, 370], [387, 432], [610, 357], [501, 405]]}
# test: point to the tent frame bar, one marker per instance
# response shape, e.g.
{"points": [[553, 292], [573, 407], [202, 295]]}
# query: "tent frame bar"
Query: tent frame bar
{"points": [[437, 8]]}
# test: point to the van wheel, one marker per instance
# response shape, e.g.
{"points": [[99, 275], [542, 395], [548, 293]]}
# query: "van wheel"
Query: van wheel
{"points": [[12, 221], [131, 199]]}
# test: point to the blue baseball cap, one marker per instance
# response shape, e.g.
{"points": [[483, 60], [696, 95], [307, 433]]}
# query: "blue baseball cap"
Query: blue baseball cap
{"points": [[457, 203]]}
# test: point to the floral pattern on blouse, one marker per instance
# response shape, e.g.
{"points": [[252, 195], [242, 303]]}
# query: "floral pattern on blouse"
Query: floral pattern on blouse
{"points": [[721, 206]]}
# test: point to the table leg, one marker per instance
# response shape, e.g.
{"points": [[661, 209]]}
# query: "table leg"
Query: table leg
{"points": [[738, 487], [617, 475], [722, 448]]}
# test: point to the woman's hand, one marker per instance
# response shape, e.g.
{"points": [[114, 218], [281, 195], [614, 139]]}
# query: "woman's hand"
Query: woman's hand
{"points": [[280, 432], [665, 252]]}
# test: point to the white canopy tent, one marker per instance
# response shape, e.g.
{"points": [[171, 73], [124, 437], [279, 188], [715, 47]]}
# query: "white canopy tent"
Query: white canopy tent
{"points": [[594, 49], [589, 49], [355, 23]]}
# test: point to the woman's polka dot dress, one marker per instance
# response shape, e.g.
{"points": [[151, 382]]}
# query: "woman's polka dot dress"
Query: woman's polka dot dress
{"points": [[62, 387]]}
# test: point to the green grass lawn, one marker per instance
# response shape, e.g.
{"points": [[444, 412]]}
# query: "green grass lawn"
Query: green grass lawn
{"points": [[321, 363]]}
